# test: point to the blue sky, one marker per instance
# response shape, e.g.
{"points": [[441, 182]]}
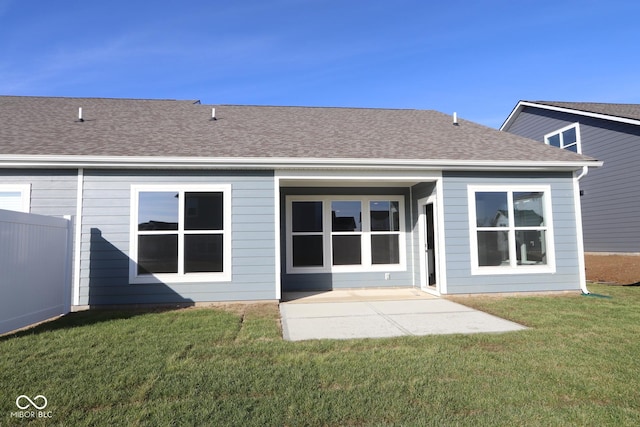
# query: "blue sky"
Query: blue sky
{"points": [[477, 58]]}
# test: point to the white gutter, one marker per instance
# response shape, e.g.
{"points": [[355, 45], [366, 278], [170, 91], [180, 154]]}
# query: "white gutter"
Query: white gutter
{"points": [[114, 162]]}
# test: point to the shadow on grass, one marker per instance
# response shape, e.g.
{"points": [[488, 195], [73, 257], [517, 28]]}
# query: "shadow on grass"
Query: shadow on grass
{"points": [[614, 284], [86, 318]]}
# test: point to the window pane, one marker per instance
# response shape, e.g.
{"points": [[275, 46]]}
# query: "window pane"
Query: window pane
{"points": [[573, 148], [554, 140], [385, 216], [493, 248], [158, 210], [306, 216], [346, 216], [529, 209], [385, 249], [491, 209], [203, 253], [346, 250], [307, 251], [4, 194], [11, 200], [158, 254], [569, 137], [203, 211], [531, 247]]}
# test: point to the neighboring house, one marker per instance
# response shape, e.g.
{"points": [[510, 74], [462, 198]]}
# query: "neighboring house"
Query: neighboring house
{"points": [[175, 201], [609, 132]]}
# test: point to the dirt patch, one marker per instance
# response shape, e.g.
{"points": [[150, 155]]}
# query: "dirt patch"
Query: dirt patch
{"points": [[620, 269]]}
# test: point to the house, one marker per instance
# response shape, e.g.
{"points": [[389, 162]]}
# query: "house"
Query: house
{"points": [[176, 201], [609, 132]]}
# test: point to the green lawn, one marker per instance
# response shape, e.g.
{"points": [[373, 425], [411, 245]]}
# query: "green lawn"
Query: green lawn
{"points": [[576, 365]]}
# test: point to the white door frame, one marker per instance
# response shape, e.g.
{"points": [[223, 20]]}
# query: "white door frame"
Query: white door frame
{"points": [[438, 246]]}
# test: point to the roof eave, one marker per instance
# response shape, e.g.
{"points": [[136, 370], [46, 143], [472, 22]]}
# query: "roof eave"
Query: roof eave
{"points": [[115, 162], [518, 109]]}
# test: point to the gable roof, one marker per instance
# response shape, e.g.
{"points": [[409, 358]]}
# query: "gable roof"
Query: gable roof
{"points": [[626, 113], [124, 131]]}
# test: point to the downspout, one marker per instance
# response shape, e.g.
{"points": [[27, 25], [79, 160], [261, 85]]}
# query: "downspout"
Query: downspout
{"points": [[579, 235], [585, 171], [78, 238]]}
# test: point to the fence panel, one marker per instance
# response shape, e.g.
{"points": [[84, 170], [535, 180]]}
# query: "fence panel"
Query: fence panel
{"points": [[35, 268]]}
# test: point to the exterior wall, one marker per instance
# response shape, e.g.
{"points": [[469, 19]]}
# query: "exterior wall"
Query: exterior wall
{"points": [[53, 192], [457, 235], [104, 277], [344, 280], [106, 216], [611, 199]]}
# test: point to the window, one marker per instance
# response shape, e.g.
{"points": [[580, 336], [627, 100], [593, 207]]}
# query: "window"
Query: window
{"points": [[510, 229], [345, 233], [385, 228], [180, 233], [15, 197], [567, 138], [308, 236]]}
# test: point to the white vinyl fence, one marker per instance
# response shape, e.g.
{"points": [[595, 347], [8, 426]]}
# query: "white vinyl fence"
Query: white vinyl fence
{"points": [[35, 268]]}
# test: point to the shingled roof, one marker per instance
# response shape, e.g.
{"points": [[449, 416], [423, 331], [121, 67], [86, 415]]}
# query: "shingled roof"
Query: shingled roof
{"points": [[48, 126]]}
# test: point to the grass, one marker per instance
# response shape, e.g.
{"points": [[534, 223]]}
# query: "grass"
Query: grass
{"points": [[576, 365]]}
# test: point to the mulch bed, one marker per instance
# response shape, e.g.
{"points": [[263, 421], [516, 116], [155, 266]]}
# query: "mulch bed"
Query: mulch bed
{"points": [[618, 269]]}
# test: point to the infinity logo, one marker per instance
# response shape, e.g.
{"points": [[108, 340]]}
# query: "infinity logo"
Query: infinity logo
{"points": [[31, 402]]}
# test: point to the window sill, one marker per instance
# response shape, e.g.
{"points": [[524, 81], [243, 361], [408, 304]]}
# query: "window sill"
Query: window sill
{"points": [[521, 269], [347, 269], [180, 278]]}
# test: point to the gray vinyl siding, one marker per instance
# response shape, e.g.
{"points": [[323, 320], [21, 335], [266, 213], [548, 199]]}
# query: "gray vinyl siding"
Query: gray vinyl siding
{"points": [[343, 280], [104, 277], [611, 199], [457, 235], [53, 192]]}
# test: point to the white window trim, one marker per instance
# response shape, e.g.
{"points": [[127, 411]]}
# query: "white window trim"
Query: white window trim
{"points": [[25, 194], [366, 232], [224, 276], [513, 268], [560, 131]]}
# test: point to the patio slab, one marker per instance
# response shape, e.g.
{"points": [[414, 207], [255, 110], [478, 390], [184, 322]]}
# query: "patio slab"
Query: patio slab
{"points": [[329, 318]]}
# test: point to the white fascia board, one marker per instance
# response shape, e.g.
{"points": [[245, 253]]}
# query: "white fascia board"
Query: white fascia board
{"points": [[270, 163], [514, 113], [523, 104]]}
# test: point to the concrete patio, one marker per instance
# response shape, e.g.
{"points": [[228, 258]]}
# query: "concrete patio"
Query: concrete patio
{"points": [[377, 313]]}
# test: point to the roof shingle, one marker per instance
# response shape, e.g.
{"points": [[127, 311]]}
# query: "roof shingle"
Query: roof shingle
{"points": [[169, 128]]}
